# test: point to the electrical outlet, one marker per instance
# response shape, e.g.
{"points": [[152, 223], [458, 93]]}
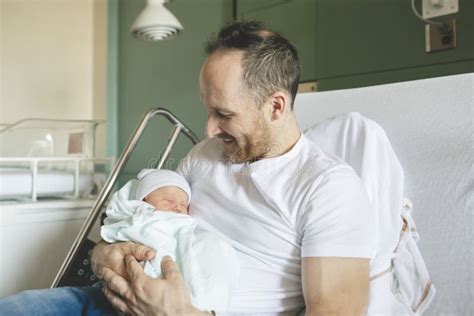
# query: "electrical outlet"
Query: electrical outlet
{"points": [[434, 8], [440, 38]]}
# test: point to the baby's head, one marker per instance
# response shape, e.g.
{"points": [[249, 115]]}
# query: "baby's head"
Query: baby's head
{"points": [[164, 189]]}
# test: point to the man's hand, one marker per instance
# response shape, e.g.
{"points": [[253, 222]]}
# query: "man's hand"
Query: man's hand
{"points": [[142, 295], [112, 256]]}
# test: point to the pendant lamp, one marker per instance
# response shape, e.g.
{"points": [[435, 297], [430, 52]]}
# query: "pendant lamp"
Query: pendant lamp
{"points": [[155, 23]]}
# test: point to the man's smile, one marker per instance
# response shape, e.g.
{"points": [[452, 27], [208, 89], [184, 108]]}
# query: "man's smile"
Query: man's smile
{"points": [[226, 138]]}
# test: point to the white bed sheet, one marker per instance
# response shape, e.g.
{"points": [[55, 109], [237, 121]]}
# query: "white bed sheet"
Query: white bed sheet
{"points": [[17, 183], [430, 125]]}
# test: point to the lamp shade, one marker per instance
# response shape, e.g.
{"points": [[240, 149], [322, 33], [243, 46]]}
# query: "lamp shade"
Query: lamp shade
{"points": [[155, 23]]}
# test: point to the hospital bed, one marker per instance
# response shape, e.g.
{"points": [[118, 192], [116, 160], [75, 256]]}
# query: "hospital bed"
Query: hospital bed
{"points": [[49, 178], [429, 123]]}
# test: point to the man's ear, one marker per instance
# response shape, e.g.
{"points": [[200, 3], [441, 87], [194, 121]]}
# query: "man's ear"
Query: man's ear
{"points": [[279, 104]]}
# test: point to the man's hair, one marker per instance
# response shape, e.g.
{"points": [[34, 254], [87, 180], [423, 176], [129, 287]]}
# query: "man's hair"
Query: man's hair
{"points": [[270, 62]]}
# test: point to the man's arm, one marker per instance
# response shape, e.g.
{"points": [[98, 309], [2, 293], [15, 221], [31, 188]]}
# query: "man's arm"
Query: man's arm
{"points": [[335, 286]]}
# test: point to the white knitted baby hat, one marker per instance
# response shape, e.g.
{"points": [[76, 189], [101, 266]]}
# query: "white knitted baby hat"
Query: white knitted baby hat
{"points": [[152, 179]]}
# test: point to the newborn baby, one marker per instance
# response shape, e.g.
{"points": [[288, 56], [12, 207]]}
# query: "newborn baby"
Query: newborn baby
{"points": [[163, 189], [153, 211]]}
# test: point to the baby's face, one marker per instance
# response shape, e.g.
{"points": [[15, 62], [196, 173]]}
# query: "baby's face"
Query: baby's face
{"points": [[170, 198]]}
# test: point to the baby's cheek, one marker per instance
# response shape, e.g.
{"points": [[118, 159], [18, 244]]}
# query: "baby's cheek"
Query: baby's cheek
{"points": [[159, 205]]}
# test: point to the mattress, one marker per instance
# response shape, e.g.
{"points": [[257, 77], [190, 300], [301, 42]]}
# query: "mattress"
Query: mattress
{"points": [[17, 183]]}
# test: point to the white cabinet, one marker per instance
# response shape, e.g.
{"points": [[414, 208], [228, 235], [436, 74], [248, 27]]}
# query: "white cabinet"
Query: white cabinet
{"points": [[34, 240]]}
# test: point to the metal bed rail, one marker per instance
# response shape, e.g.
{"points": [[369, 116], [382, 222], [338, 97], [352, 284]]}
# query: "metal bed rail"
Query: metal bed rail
{"points": [[178, 128]]}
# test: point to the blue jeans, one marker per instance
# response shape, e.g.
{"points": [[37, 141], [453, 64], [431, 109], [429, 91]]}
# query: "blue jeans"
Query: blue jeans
{"points": [[87, 300]]}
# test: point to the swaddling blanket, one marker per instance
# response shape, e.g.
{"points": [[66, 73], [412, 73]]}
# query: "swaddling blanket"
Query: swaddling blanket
{"points": [[208, 263]]}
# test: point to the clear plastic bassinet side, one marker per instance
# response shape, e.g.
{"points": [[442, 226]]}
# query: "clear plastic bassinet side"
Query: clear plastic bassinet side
{"points": [[50, 158], [39, 137]]}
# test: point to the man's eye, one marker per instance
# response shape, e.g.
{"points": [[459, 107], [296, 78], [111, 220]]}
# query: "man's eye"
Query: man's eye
{"points": [[224, 115]]}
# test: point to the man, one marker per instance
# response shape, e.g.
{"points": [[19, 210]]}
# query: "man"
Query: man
{"points": [[299, 219]]}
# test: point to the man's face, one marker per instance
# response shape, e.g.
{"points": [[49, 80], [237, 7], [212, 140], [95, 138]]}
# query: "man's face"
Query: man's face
{"points": [[233, 116]]}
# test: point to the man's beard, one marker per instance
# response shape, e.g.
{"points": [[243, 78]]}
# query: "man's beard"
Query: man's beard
{"points": [[249, 147]]}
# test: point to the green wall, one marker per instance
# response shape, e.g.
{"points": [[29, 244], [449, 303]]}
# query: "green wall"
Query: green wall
{"points": [[294, 19], [161, 74], [355, 43], [343, 44], [362, 43]]}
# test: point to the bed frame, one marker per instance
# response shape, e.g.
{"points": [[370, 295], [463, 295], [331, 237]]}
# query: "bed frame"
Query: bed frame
{"points": [[82, 246]]}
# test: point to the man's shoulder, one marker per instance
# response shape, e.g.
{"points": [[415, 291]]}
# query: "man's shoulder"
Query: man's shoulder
{"points": [[314, 162], [328, 172]]}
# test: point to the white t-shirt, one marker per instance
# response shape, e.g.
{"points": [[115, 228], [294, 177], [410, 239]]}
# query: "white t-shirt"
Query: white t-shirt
{"points": [[275, 211]]}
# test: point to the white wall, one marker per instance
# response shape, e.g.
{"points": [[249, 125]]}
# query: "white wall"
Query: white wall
{"points": [[52, 59]]}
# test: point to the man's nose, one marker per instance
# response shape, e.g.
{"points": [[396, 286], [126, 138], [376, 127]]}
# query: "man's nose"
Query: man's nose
{"points": [[212, 127]]}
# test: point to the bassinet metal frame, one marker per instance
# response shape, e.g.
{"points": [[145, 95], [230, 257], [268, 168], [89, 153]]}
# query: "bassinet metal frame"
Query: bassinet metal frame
{"points": [[34, 163], [178, 128]]}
